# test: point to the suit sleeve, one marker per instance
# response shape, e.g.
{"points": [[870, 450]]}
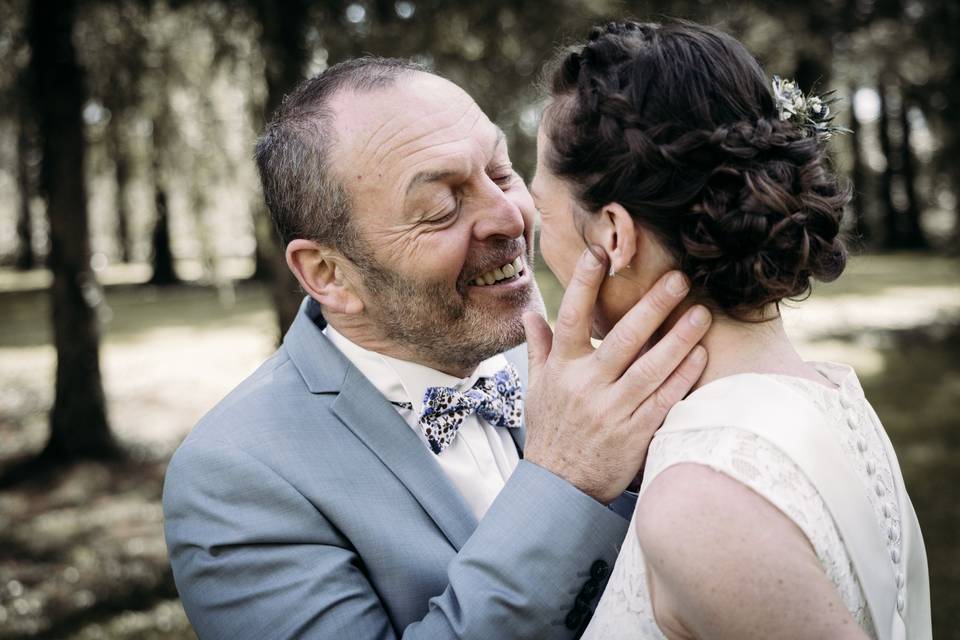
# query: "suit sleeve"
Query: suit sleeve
{"points": [[253, 558]]}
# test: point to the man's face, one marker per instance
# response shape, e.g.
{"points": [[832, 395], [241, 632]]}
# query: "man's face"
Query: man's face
{"points": [[445, 223]]}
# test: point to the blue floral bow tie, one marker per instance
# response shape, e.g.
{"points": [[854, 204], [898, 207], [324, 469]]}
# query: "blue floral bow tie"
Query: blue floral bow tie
{"points": [[497, 399]]}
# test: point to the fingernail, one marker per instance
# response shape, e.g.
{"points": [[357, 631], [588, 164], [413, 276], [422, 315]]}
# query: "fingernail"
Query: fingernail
{"points": [[698, 355], [591, 258], [699, 317], [677, 284]]}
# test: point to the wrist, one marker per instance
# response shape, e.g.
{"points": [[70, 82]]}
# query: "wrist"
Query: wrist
{"points": [[578, 482]]}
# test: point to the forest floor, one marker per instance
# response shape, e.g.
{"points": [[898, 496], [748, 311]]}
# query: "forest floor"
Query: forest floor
{"points": [[81, 550]]}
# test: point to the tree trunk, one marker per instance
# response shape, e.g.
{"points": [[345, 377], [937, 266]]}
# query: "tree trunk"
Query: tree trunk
{"points": [[891, 216], [162, 253], [858, 176], [283, 39], [25, 258], [162, 258], [121, 171], [262, 229], [811, 74], [913, 237], [78, 420]]}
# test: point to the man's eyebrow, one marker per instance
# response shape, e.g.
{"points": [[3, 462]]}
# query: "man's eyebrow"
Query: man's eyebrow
{"points": [[426, 177], [501, 136]]}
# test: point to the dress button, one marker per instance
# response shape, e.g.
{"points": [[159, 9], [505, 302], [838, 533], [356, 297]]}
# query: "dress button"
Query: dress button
{"points": [[880, 490], [899, 579], [892, 532], [871, 469], [599, 569], [895, 556], [900, 604], [852, 423], [887, 511], [861, 445]]}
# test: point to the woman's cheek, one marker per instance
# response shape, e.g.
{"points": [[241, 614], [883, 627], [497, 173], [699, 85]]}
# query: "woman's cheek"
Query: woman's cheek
{"points": [[555, 253]]}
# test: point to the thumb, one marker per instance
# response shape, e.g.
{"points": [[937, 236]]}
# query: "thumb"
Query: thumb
{"points": [[539, 341]]}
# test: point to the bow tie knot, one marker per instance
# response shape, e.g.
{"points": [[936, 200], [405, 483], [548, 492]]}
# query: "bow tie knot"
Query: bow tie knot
{"points": [[496, 399]]}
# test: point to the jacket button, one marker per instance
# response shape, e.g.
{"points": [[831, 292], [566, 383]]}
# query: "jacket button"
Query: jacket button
{"points": [[590, 589], [586, 621], [574, 619], [599, 569]]}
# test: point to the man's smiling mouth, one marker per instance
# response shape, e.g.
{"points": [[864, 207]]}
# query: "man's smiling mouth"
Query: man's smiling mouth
{"points": [[506, 272]]}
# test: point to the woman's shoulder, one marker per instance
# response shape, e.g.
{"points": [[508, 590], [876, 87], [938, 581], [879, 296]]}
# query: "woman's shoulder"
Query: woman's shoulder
{"points": [[717, 549]]}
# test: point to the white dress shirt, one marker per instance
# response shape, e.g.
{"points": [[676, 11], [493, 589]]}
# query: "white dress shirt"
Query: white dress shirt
{"points": [[481, 457]]}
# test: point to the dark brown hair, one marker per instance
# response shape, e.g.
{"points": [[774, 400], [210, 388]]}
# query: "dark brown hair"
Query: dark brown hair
{"points": [[677, 123]]}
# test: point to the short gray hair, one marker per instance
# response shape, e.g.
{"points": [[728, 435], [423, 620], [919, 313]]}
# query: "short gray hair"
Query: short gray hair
{"points": [[304, 197]]}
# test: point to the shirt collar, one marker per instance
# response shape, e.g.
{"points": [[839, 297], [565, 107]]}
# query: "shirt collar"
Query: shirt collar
{"points": [[404, 381]]}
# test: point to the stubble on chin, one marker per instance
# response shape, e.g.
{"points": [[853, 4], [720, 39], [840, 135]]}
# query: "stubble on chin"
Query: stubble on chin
{"points": [[443, 326], [439, 323]]}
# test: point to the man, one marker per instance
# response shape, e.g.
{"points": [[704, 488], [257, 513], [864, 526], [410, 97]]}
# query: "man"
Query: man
{"points": [[370, 479]]}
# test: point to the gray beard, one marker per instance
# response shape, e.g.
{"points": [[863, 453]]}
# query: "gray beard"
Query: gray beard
{"points": [[438, 322]]}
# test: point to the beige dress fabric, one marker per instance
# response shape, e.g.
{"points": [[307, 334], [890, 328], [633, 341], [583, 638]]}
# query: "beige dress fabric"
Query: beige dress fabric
{"points": [[821, 456]]}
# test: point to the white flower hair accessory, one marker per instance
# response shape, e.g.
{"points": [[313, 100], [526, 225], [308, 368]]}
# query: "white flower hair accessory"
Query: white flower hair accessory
{"points": [[810, 112]]}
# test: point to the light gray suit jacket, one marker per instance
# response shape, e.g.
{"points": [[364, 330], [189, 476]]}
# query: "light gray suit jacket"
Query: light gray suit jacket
{"points": [[303, 506]]}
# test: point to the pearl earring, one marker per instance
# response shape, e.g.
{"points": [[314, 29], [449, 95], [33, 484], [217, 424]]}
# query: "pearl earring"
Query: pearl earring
{"points": [[612, 271]]}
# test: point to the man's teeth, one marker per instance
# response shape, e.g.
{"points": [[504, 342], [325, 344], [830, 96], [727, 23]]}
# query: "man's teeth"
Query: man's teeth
{"points": [[504, 272]]}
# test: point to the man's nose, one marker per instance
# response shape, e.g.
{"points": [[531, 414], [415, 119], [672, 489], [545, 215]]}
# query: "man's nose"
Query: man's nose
{"points": [[497, 216]]}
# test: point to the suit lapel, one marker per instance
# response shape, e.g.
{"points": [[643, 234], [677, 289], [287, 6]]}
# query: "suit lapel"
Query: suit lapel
{"points": [[376, 423]]}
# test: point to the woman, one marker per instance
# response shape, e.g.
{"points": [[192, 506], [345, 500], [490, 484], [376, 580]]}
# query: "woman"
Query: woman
{"points": [[772, 504]]}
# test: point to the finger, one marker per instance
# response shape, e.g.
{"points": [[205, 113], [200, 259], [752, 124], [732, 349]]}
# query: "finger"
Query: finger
{"points": [[539, 340], [622, 343], [575, 317], [648, 373], [651, 414]]}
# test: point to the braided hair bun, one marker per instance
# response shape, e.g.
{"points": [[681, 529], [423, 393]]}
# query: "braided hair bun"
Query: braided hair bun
{"points": [[677, 123]]}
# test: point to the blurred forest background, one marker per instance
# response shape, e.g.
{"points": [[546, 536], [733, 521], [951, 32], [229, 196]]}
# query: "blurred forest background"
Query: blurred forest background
{"points": [[140, 280]]}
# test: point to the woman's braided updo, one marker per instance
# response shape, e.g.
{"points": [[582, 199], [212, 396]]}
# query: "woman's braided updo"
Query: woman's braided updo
{"points": [[677, 123]]}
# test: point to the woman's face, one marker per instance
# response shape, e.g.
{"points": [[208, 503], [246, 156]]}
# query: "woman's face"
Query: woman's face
{"points": [[565, 231], [561, 238]]}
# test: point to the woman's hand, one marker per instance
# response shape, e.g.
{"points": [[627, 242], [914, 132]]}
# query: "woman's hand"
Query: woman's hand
{"points": [[591, 413]]}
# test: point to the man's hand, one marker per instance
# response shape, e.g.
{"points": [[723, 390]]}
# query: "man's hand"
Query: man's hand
{"points": [[591, 413]]}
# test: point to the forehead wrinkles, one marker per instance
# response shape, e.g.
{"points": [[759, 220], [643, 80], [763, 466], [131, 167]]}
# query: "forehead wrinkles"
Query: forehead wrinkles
{"points": [[403, 145], [425, 141]]}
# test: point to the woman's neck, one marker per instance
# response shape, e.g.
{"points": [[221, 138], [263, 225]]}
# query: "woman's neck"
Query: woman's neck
{"points": [[735, 346]]}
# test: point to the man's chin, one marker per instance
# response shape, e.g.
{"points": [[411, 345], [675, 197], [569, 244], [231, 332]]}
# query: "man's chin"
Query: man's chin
{"points": [[504, 328]]}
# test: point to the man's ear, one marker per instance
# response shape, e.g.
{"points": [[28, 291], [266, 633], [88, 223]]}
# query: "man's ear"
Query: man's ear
{"points": [[616, 232], [320, 271]]}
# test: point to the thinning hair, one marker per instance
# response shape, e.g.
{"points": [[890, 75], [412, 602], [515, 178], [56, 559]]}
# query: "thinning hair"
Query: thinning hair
{"points": [[293, 155]]}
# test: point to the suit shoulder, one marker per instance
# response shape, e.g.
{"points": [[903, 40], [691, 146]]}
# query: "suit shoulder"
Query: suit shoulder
{"points": [[274, 395]]}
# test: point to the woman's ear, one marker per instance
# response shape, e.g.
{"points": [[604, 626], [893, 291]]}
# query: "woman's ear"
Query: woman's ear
{"points": [[616, 232], [320, 271]]}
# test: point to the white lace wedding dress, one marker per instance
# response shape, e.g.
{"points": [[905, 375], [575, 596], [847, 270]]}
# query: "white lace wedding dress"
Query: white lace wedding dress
{"points": [[625, 609]]}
